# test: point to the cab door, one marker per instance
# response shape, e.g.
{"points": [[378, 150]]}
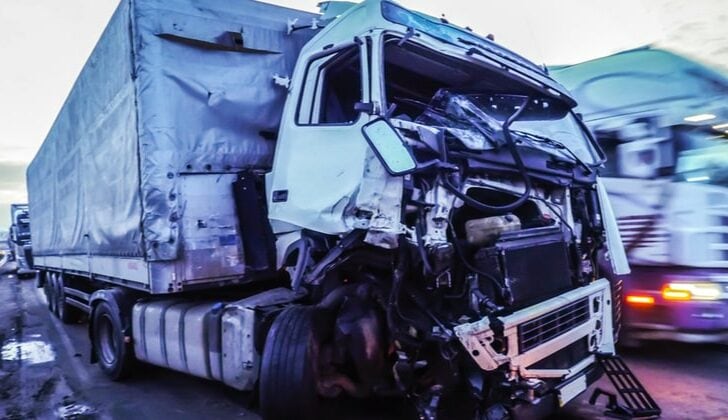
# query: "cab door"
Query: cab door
{"points": [[321, 153]]}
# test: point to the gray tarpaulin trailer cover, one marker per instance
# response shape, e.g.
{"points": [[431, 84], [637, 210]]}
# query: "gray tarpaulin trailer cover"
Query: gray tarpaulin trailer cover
{"points": [[134, 178]]}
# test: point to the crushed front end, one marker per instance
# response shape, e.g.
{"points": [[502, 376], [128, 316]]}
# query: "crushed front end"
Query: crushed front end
{"points": [[459, 265], [502, 236]]}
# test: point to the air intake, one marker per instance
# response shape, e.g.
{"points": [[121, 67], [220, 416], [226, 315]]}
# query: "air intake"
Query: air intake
{"points": [[537, 331]]}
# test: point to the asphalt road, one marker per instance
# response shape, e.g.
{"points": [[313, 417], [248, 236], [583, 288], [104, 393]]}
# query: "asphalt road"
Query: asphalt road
{"points": [[44, 373]]}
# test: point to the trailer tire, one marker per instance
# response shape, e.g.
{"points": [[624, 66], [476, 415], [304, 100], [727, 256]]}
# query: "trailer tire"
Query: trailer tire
{"points": [[68, 314], [114, 354], [289, 367], [56, 298], [40, 279], [50, 292], [47, 290]]}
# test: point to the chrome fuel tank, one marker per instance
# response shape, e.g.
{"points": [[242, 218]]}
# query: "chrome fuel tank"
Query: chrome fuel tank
{"points": [[180, 335], [208, 339]]}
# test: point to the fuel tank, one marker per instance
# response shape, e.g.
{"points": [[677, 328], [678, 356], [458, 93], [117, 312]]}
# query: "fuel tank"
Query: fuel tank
{"points": [[212, 340]]}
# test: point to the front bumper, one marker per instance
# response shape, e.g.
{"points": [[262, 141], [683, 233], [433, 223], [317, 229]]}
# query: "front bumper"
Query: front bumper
{"points": [[536, 336]]}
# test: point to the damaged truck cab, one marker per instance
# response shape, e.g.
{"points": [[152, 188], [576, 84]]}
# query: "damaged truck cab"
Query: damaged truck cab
{"points": [[427, 226], [464, 229]]}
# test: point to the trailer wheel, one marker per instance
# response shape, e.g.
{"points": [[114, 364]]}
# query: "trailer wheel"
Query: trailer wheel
{"points": [[66, 313], [46, 288], [114, 354], [49, 289], [40, 279], [289, 367]]}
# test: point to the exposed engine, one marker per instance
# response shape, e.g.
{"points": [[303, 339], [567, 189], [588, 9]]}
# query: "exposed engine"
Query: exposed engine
{"points": [[428, 315]]}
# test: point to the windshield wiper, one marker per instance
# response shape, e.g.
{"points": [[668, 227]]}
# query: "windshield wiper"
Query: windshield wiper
{"points": [[555, 144]]}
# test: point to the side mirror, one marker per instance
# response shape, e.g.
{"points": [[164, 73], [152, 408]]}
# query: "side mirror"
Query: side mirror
{"points": [[389, 147]]}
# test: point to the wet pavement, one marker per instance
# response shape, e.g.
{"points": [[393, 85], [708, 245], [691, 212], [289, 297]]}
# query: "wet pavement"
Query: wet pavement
{"points": [[33, 383], [44, 373], [687, 381]]}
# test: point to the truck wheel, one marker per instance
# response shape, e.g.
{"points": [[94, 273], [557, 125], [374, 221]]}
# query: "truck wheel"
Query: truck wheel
{"points": [[40, 279], [289, 367], [66, 313], [114, 354], [49, 289], [46, 288]]}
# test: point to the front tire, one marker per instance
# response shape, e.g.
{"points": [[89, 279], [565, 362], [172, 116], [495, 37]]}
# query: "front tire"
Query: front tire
{"points": [[115, 356], [290, 366]]}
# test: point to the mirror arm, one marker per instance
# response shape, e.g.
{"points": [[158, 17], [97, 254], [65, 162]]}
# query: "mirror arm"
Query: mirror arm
{"points": [[390, 111], [366, 107]]}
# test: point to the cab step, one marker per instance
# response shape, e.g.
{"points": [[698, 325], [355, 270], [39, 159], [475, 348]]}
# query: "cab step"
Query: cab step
{"points": [[638, 403]]}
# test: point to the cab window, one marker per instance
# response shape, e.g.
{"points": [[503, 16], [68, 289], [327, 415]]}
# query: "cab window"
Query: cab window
{"points": [[331, 88]]}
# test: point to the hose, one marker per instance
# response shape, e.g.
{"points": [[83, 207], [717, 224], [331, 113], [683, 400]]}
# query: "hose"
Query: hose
{"points": [[478, 205], [419, 231]]}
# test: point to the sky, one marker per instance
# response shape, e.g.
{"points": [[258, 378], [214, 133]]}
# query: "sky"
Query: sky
{"points": [[44, 44]]}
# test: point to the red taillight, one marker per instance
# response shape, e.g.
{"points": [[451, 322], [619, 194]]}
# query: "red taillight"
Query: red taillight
{"points": [[640, 300]]}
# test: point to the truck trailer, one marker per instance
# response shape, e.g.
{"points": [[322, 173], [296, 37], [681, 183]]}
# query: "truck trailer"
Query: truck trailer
{"points": [[369, 201], [19, 243], [662, 119]]}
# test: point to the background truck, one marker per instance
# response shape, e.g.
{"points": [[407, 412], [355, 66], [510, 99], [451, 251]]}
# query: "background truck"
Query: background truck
{"points": [[19, 240], [5, 254], [663, 121], [366, 202]]}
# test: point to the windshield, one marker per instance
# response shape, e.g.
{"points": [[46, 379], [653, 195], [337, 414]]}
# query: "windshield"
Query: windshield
{"points": [[545, 124], [706, 165]]}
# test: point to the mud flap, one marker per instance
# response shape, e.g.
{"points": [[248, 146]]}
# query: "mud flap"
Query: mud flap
{"points": [[255, 230]]}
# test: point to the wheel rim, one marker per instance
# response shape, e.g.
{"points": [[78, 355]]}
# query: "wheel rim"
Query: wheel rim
{"points": [[107, 343]]}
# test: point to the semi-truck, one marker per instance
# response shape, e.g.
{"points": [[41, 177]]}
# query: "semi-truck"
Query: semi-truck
{"points": [[19, 242], [364, 202], [5, 253], [662, 119]]}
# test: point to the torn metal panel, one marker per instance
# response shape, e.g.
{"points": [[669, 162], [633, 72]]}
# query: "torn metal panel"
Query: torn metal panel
{"points": [[381, 196]]}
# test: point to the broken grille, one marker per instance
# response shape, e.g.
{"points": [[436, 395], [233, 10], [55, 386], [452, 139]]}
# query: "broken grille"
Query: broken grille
{"points": [[537, 331]]}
